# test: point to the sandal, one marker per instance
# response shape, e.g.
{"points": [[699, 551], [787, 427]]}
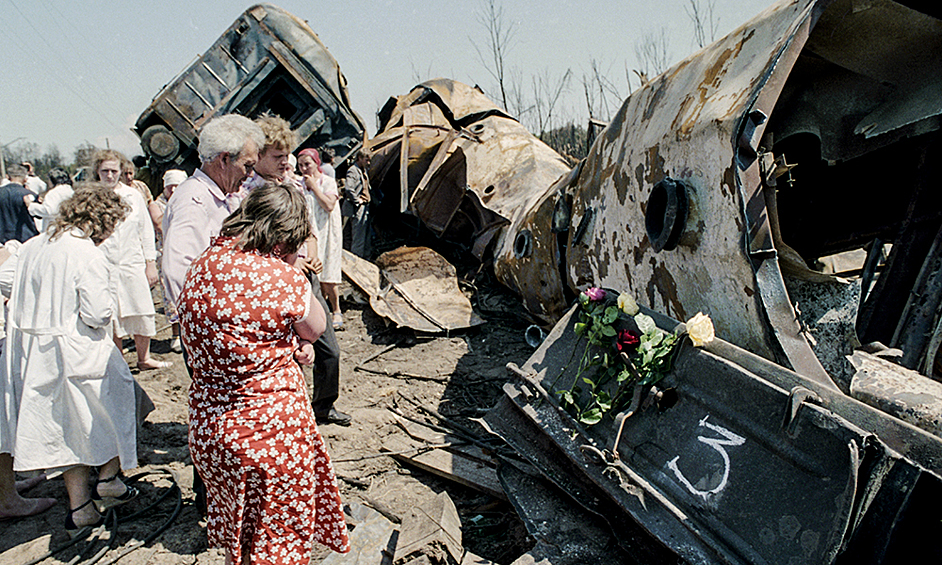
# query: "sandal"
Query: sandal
{"points": [[157, 365], [338, 321], [103, 503], [73, 530]]}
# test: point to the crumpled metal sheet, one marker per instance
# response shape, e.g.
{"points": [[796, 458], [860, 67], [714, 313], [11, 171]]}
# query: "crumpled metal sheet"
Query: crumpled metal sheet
{"points": [[414, 287], [446, 154], [748, 463], [268, 60]]}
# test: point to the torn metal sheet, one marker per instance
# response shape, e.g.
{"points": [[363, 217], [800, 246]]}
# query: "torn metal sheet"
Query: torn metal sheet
{"points": [[743, 462], [413, 287], [449, 156], [267, 61]]}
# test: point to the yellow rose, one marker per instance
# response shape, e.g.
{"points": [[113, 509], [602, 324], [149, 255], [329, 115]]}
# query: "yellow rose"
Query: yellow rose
{"points": [[700, 329], [627, 304]]}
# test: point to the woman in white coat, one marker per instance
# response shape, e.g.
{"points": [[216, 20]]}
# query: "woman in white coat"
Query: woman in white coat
{"points": [[68, 395], [132, 252]]}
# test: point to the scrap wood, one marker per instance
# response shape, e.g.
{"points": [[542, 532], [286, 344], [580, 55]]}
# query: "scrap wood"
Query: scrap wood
{"points": [[382, 509], [424, 447], [403, 375], [455, 467], [426, 434]]}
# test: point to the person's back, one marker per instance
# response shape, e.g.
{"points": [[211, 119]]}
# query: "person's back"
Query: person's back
{"points": [[15, 221]]}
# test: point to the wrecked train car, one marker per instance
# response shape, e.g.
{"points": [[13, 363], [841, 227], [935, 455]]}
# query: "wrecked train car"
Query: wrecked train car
{"points": [[812, 130], [267, 61], [447, 155]]}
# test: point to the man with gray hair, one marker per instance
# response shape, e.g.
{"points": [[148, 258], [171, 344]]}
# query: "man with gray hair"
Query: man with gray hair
{"points": [[228, 150]]}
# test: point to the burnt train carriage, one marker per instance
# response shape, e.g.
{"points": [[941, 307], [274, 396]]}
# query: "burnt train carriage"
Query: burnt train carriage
{"points": [[267, 61]]}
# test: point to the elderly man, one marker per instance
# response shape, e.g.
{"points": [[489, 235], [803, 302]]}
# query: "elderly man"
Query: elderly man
{"points": [[15, 221], [273, 166], [228, 150]]}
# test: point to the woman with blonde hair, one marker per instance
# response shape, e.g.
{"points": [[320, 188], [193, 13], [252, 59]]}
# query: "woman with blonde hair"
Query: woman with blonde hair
{"points": [[132, 252], [248, 318], [67, 392]]}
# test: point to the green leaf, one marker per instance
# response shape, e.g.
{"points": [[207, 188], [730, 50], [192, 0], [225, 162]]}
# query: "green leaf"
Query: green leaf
{"points": [[565, 397], [611, 314], [587, 381], [604, 400], [609, 331], [645, 323], [591, 417], [624, 375], [580, 328]]}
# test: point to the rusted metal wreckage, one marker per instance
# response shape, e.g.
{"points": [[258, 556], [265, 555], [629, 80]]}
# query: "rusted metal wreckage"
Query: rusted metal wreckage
{"points": [[812, 130], [751, 451], [267, 61], [716, 188]]}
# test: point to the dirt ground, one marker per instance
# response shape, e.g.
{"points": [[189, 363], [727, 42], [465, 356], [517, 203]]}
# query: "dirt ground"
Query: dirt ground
{"points": [[459, 375]]}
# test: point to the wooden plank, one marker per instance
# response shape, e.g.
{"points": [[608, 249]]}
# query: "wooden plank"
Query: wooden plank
{"points": [[452, 466]]}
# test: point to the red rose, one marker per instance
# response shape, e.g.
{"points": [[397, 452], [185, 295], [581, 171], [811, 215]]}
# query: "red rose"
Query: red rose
{"points": [[627, 340]]}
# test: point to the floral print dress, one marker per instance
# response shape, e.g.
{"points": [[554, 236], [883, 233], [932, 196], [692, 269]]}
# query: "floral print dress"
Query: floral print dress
{"points": [[270, 485]]}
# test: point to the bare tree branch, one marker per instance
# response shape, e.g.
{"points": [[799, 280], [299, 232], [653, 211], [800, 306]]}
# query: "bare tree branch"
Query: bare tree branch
{"points": [[703, 20], [653, 53], [500, 36]]}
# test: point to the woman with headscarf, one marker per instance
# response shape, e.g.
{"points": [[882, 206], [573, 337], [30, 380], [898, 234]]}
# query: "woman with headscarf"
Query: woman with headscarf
{"points": [[248, 318], [49, 207], [324, 211], [67, 395]]}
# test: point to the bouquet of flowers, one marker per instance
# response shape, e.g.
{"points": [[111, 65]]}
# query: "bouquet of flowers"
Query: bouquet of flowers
{"points": [[641, 356]]}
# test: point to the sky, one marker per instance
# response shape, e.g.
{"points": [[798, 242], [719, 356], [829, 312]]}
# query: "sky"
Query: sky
{"points": [[82, 72]]}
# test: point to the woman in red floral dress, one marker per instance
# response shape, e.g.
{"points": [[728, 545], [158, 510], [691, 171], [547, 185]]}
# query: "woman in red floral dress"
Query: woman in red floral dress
{"points": [[248, 318]]}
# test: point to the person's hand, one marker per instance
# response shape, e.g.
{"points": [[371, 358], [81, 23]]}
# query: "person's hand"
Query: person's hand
{"points": [[27, 199], [151, 272], [312, 265], [304, 354]]}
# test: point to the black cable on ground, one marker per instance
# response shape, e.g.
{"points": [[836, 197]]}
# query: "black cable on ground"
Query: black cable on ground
{"points": [[113, 519]]}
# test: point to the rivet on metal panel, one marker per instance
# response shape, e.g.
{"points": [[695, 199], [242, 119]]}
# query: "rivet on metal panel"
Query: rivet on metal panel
{"points": [[666, 214], [523, 244]]}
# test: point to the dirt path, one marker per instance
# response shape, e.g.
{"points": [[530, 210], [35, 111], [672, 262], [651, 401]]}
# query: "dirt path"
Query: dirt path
{"points": [[458, 375]]}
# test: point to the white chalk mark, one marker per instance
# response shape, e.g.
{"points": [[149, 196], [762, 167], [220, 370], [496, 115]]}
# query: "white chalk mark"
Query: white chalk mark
{"points": [[717, 444]]}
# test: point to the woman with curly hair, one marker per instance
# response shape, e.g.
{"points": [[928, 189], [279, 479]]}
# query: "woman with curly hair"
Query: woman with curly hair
{"points": [[248, 317], [67, 395]]}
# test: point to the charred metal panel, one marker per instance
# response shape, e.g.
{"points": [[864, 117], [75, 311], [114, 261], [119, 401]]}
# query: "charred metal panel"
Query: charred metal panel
{"points": [[695, 123], [268, 60], [470, 173], [750, 463]]}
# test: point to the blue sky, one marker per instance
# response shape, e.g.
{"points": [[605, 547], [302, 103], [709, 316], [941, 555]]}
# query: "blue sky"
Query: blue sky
{"points": [[84, 71]]}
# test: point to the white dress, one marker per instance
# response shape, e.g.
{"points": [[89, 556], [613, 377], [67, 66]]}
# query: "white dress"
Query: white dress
{"points": [[67, 394], [328, 226], [131, 244]]}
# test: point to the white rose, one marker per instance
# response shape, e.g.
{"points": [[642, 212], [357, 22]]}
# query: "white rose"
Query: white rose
{"points": [[627, 304], [700, 329]]}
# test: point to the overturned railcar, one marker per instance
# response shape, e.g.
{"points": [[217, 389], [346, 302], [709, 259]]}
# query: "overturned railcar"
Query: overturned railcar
{"points": [[267, 61], [721, 187]]}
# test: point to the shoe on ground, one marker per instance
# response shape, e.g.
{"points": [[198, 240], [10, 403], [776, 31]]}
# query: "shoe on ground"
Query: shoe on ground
{"points": [[338, 322], [175, 345], [334, 417]]}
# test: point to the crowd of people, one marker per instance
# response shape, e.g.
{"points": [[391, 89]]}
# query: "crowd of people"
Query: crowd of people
{"points": [[248, 252]]}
